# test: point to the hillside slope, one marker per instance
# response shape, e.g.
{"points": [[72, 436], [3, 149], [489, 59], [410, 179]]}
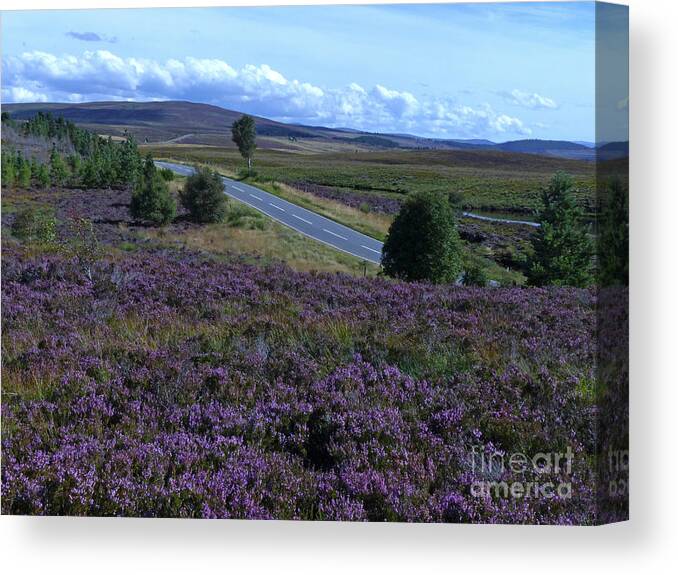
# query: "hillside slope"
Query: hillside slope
{"points": [[179, 122]]}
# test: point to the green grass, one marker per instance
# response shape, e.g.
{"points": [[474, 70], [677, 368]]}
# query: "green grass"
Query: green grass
{"points": [[248, 234]]}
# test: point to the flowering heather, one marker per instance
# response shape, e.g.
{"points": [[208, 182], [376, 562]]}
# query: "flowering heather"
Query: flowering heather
{"points": [[169, 386]]}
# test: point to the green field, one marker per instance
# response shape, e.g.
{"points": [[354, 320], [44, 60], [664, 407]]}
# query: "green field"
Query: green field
{"points": [[484, 180]]}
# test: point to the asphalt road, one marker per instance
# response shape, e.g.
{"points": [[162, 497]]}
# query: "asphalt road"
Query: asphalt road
{"points": [[300, 219]]}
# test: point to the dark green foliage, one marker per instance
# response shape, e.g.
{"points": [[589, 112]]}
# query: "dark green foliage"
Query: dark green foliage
{"points": [[22, 171], [57, 168], [474, 275], [203, 196], [35, 224], [151, 199], [423, 243], [167, 174], [245, 137], [24, 179], [97, 161], [8, 170], [562, 247], [613, 239], [42, 175]]}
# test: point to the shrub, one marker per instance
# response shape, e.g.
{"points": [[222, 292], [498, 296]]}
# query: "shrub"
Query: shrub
{"points": [[474, 275], [35, 224], [423, 243], [151, 199], [167, 174], [203, 196], [242, 216], [562, 247]]}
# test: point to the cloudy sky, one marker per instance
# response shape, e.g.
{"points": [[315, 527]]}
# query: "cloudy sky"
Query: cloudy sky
{"points": [[496, 71]]}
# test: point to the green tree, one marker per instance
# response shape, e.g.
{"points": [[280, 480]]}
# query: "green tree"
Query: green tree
{"points": [[423, 242], [203, 196], [151, 199], [8, 169], [562, 247], [57, 168], [24, 172], [613, 236], [42, 175], [244, 135]]}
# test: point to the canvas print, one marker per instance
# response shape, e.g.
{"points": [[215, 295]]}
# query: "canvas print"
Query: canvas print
{"points": [[323, 263]]}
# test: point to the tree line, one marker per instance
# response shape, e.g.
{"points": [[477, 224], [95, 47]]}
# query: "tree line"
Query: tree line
{"points": [[95, 161]]}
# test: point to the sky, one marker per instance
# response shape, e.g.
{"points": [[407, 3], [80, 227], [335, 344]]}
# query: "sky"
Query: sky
{"points": [[487, 71]]}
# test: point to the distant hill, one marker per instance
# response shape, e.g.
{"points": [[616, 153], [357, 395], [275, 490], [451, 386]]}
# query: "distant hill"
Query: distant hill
{"points": [[155, 121], [613, 150], [191, 123]]}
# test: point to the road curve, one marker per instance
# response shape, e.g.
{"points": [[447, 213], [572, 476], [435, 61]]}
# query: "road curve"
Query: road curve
{"points": [[300, 219]]}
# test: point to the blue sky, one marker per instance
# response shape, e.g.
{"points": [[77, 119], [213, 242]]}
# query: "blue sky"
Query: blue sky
{"points": [[497, 71]]}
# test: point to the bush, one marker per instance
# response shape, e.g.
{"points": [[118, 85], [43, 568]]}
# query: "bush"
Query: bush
{"points": [[203, 196], [151, 199], [474, 275], [167, 174], [423, 243], [242, 216], [35, 224]]}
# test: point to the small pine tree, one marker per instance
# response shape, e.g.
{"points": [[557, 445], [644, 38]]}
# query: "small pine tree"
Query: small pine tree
{"points": [[613, 238], [57, 168], [423, 243], [203, 196], [24, 175], [8, 170], [244, 134], [562, 247], [151, 199], [42, 176]]}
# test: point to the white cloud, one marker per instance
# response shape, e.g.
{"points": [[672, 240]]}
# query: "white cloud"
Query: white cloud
{"points": [[19, 94], [100, 74], [530, 100]]}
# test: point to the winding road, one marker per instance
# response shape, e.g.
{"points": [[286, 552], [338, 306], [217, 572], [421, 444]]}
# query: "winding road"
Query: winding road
{"points": [[300, 219]]}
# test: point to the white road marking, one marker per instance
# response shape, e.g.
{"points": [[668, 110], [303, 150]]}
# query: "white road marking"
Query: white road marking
{"points": [[257, 197], [337, 235], [302, 219], [277, 207], [369, 248]]}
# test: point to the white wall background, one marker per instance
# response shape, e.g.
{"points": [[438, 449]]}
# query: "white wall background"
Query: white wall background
{"points": [[646, 544]]}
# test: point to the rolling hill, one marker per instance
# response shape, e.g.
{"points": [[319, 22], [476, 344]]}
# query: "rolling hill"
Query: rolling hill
{"points": [[177, 122]]}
